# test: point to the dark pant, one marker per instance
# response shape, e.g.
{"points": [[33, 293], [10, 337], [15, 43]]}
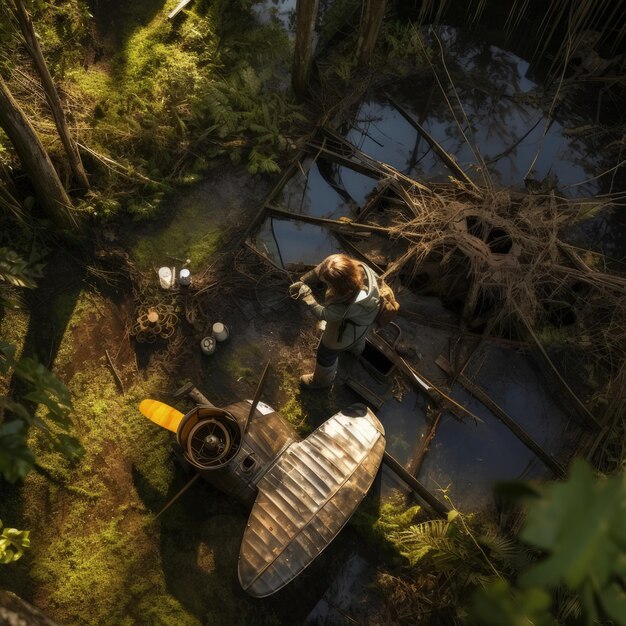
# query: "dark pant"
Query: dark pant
{"points": [[326, 356]]}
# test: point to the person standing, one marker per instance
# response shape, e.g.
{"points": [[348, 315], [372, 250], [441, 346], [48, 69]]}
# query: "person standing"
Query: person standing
{"points": [[350, 308]]}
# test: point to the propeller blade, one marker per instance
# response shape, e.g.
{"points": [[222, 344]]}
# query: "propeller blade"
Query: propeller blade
{"points": [[178, 495], [162, 414], [257, 396]]}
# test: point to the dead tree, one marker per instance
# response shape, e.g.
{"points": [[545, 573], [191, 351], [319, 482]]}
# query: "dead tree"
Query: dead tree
{"points": [[15, 611], [52, 95], [306, 13], [372, 15], [35, 160]]}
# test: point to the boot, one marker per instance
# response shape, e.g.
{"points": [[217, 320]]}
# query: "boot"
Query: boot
{"points": [[322, 377]]}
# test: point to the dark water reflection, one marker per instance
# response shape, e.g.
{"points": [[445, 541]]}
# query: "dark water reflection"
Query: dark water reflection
{"points": [[288, 241], [325, 189], [498, 125], [492, 111]]}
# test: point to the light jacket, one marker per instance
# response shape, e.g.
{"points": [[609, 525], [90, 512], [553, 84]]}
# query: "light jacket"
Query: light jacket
{"points": [[347, 321]]}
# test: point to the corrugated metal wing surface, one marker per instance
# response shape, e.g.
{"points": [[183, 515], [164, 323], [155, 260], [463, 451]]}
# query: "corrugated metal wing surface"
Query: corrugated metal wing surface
{"points": [[307, 497]]}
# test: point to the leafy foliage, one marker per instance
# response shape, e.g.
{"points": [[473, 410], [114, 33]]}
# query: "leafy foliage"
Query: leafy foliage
{"points": [[13, 542], [447, 558], [580, 527], [39, 386], [499, 604], [403, 42], [458, 551], [243, 107], [15, 271]]}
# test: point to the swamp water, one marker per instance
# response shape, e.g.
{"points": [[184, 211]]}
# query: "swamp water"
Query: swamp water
{"points": [[511, 131]]}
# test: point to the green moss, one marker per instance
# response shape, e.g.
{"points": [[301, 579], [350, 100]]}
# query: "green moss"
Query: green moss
{"points": [[92, 81], [13, 329], [67, 311], [292, 409], [191, 234], [242, 362]]}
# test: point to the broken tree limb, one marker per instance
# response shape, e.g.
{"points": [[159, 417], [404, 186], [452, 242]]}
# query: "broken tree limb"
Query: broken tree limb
{"points": [[31, 42], [418, 460], [371, 166], [480, 394], [438, 396], [439, 507], [118, 380], [452, 165], [347, 227], [451, 402]]}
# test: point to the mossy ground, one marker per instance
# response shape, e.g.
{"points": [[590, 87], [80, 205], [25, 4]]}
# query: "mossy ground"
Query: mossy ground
{"points": [[191, 234], [98, 556]]}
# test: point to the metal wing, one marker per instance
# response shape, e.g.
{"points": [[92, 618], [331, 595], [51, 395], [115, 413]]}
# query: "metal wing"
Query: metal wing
{"points": [[306, 498]]}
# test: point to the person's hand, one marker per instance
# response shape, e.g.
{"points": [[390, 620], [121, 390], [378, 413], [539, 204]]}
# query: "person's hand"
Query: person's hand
{"points": [[299, 290], [294, 289]]}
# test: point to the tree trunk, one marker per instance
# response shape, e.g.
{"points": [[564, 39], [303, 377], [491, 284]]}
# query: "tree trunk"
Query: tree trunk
{"points": [[35, 160], [16, 612], [371, 20], [306, 13], [52, 95]]}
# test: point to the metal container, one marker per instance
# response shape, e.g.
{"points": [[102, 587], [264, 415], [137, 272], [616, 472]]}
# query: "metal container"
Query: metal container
{"points": [[220, 332], [208, 345], [184, 278]]}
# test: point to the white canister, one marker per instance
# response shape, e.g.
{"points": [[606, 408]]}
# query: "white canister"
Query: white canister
{"points": [[220, 332], [184, 278], [207, 345], [166, 277]]}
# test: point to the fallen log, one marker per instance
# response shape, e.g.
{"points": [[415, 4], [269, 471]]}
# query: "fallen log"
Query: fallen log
{"points": [[347, 227], [439, 507]]}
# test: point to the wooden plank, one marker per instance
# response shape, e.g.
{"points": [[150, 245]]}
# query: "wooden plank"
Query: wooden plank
{"points": [[365, 392], [480, 394], [438, 396]]}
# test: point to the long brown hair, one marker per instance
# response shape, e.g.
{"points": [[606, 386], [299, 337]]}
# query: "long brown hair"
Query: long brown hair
{"points": [[343, 275]]}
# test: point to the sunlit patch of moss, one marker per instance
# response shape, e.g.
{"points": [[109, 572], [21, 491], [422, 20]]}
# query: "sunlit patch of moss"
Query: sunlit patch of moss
{"points": [[13, 329], [191, 234], [243, 363], [87, 568], [67, 312], [292, 409], [93, 81], [293, 413]]}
